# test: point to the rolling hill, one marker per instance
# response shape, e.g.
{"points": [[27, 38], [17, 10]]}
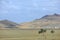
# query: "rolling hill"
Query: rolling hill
{"points": [[7, 24]]}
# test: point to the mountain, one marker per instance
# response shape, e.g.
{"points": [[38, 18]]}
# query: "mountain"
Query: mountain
{"points": [[7, 24], [54, 17], [47, 21]]}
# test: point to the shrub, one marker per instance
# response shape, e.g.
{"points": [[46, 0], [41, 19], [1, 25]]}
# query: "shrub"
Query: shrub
{"points": [[42, 30], [52, 31]]}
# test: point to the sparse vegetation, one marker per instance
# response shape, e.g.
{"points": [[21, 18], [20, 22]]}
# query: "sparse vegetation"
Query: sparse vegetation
{"points": [[42, 31], [28, 35], [52, 31]]}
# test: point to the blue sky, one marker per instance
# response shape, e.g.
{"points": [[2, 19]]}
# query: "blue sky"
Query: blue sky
{"points": [[27, 10]]}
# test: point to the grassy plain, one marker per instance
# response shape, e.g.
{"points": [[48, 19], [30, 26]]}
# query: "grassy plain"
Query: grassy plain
{"points": [[28, 35]]}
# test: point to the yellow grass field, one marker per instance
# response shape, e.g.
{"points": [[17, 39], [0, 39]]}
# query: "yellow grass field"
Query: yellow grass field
{"points": [[28, 35]]}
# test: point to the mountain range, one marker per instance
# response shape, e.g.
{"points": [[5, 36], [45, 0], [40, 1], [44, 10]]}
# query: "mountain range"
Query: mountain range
{"points": [[47, 21]]}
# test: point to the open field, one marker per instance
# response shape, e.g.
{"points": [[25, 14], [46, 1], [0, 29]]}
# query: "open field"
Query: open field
{"points": [[28, 35]]}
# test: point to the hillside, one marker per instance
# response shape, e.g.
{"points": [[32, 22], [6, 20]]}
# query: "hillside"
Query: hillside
{"points": [[47, 21], [7, 24]]}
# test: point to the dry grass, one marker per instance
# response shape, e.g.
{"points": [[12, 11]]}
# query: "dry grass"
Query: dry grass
{"points": [[28, 35]]}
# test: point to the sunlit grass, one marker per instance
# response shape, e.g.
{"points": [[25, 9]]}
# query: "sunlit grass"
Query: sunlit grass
{"points": [[29, 35]]}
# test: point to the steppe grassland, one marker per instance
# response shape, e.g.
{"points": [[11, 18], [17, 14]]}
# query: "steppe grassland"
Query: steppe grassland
{"points": [[29, 35]]}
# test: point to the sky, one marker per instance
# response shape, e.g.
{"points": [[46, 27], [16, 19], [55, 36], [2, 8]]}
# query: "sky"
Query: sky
{"points": [[27, 10]]}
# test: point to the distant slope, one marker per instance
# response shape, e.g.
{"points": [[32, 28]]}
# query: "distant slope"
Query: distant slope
{"points": [[48, 21], [54, 17], [8, 24]]}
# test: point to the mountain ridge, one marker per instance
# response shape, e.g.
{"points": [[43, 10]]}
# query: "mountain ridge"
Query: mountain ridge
{"points": [[47, 21]]}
